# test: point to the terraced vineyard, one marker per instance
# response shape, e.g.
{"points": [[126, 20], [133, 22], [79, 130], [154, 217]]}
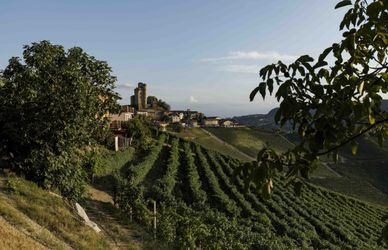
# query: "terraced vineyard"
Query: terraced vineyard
{"points": [[201, 204]]}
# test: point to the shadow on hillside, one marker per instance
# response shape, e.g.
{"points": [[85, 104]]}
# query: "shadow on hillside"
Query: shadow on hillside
{"points": [[114, 223], [105, 183]]}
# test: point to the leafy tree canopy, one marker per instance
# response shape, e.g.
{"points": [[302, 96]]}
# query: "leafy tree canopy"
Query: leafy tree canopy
{"points": [[53, 103], [138, 131], [158, 104], [331, 100]]}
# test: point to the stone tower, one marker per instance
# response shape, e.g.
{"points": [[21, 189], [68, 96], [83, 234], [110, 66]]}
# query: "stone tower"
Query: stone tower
{"points": [[139, 99]]}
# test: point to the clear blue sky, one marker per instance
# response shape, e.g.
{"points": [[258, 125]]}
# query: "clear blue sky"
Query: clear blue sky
{"points": [[201, 54]]}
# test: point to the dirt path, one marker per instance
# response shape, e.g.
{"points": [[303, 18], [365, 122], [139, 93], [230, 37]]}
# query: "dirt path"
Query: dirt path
{"points": [[227, 144], [116, 226]]}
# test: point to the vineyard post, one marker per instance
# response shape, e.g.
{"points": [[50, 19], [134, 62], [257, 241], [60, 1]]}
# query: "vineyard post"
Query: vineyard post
{"points": [[130, 214], [154, 219], [116, 143]]}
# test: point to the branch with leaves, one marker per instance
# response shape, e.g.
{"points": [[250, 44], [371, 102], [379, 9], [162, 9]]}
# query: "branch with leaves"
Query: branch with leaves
{"points": [[330, 101]]}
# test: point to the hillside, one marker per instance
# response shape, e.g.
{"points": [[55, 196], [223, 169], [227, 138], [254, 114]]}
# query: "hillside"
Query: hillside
{"points": [[199, 197], [199, 135], [267, 121], [250, 140], [362, 176], [199, 202], [33, 218]]}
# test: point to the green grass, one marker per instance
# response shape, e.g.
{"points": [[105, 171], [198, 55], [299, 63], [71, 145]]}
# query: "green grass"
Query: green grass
{"points": [[199, 136], [251, 140], [111, 161], [22, 201], [363, 176]]}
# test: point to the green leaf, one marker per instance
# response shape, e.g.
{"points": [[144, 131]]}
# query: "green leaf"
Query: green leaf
{"points": [[262, 89], [372, 120], [343, 3], [253, 93], [385, 76], [381, 139], [374, 8], [324, 54], [305, 58], [320, 64], [354, 147], [270, 85]]}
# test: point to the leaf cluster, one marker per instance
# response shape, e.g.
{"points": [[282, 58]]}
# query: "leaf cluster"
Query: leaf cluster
{"points": [[332, 100]]}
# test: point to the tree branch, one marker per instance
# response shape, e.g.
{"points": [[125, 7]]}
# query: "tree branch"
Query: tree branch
{"points": [[353, 137]]}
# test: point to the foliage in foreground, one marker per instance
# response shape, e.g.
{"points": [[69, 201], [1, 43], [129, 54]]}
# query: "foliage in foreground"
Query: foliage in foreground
{"points": [[52, 104], [329, 104]]}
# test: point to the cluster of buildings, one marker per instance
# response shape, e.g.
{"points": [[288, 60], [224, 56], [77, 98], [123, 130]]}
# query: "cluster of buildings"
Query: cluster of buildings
{"points": [[163, 118]]}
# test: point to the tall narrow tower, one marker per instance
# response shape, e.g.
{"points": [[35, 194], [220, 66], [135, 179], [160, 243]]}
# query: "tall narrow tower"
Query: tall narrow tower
{"points": [[139, 99]]}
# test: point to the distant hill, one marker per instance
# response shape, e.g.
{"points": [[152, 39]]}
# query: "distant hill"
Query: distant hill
{"points": [[363, 176], [268, 120]]}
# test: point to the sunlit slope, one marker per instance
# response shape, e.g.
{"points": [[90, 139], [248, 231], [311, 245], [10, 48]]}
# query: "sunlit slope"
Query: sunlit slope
{"points": [[364, 175], [250, 140], [317, 219], [199, 135], [36, 219]]}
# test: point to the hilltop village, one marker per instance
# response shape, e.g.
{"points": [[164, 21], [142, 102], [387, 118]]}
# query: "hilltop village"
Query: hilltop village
{"points": [[163, 116]]}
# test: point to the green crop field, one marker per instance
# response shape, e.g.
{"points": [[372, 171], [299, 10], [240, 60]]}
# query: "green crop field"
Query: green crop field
{"points": [[202, 205]]}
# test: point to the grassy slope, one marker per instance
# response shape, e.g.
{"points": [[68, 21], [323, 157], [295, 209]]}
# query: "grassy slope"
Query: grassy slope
{"points": [[33, 218], [251, 140], [199, 136], [364, 175], [44, 217]]}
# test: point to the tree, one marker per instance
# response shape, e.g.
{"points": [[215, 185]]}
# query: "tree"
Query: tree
{"points": [[53, 104], [138, 132], [163, 106], [158, 104], [152, 100], [330, 105]]}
